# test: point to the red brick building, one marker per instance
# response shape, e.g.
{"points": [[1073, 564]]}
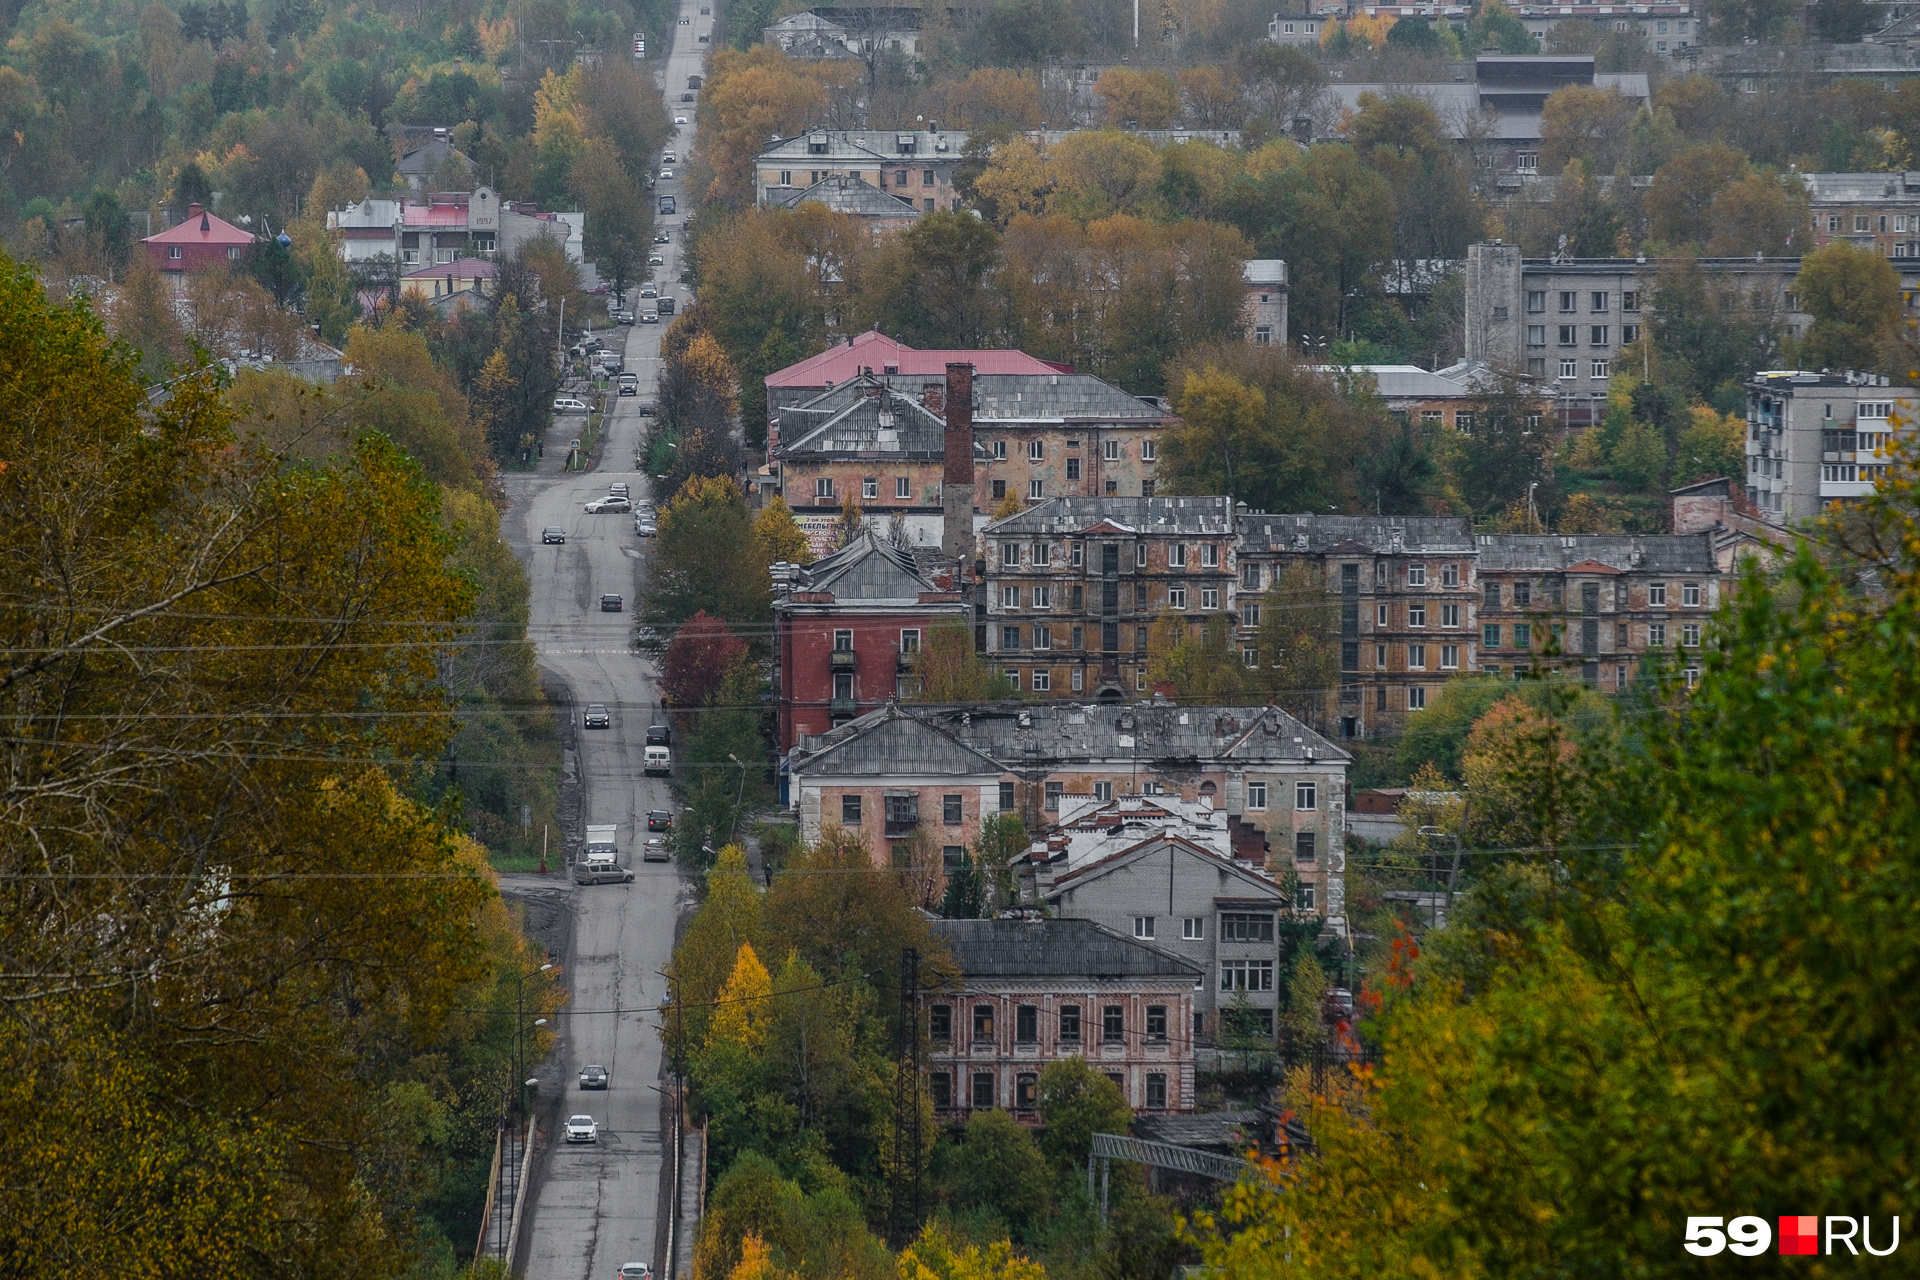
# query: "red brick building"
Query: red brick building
{"points": [[200, 242], [844, 630]]}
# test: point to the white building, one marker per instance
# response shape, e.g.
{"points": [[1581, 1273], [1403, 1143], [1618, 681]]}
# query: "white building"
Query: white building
{"points": [[1817, 439]]}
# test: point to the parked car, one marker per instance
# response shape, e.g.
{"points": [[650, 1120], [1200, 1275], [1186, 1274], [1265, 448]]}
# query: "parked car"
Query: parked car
{"points": [[659, 820], [611, 602], [598, 717], [655, 850], [633, 1271], [593, 1078], [601, 506], [645, 527], [567, 404], [553, 533], [582, 1129]]}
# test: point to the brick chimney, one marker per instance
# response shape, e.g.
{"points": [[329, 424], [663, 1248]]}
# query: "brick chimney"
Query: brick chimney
{"points": [[956, 488]]}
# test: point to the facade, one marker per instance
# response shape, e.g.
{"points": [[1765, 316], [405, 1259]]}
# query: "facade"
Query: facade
{"points": [[1261, 770], [1039, 436], [1816, 439], [844, 629], [1407, 602], [473, 277], [201, 241], [1562, 324], [1266, 305], [1878, 211], [873, 441], [841, 194], [903, 163], [846, 31], [1668, 28], [1073, 586], [1604, 603], [1036, 991], [1437, 397], [443, 227], [903, 785], [1188, 900]]}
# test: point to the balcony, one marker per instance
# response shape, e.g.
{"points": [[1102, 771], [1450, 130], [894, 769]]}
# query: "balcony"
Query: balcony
{"points": [[842, 660], [843, 707], [901, 827]]}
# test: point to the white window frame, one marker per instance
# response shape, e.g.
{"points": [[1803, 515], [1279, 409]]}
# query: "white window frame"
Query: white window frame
{"points": [[1257, 796], [1306, 796], [1143, 927], [1416, 575]]}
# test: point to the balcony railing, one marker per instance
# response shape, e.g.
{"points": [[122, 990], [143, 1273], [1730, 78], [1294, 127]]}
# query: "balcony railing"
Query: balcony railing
{"points": [[902, 826], [841, 660]]}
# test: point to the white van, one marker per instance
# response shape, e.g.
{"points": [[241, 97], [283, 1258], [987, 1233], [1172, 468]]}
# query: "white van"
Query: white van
{"points": [[659, 762]]}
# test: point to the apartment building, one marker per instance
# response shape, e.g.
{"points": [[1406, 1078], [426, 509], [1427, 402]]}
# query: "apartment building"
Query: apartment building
{"points": [[1816, 439], [908, 164], [1408, 602], [437, 228], [1265, 308], [1595, 605], [1073, 586], [1032, 992], [869, 440], [1039, 436], [1562, 323], [1878, 211]]}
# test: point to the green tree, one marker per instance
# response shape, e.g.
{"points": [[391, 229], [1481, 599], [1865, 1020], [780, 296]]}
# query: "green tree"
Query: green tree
{"points": [[932, 282], [997, 1171], [948, 669], [1639, 461], [1299, 645], [1853, 295], [704, 560], [1077, 1102], [1506, 449]]}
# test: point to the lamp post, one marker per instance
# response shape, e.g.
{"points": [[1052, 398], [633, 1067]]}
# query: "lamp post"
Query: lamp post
{"points": [[519, 1025], [738, 793], [1430, 834]]}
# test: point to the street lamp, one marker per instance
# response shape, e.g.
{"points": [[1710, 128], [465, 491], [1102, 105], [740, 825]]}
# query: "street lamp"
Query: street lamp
{"points": [[1430, 834], [740, 791]]}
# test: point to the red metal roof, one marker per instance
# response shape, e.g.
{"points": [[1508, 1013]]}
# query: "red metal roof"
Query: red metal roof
{"points": [[202, 227], [874, 350], [434, 215]]}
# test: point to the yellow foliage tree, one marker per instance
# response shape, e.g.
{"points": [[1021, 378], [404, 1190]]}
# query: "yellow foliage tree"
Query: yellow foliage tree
{"points": [[756, 1261], [1017, 179], [742, 1009], [1139, 99], [779, 535], [937, 1255]]}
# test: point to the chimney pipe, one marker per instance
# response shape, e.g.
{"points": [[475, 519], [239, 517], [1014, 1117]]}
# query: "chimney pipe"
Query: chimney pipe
{"points": [[956, 488]]}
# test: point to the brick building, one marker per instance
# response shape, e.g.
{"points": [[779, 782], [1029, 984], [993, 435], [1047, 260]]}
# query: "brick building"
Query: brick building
{"points": [[1037, 991], [844, 629], [199, 242], [870, 440], [1073, 585], [1041, 436]]}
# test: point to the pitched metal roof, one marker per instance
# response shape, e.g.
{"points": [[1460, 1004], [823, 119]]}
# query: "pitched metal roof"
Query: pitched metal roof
{"points": [[891, 743], [1211, 515], [1357, 535], [1055, 397], [203, 228], [866, 415], [1054, 949], [1561, 553], [1073, 877], [868, 568], [874, 350], [848, 195]]}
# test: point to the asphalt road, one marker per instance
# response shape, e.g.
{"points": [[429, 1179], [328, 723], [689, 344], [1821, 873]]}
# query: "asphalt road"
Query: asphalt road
{"points": [[596, 1207]]}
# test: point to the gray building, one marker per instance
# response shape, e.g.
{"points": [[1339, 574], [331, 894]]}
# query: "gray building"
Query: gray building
{"points": [[1815, 439], [1188, 900], [1266, 305], [1563, 322]]}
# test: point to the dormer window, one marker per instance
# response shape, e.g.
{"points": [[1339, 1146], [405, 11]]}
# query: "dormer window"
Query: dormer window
{"points": [[817, 144], [908, 142]]}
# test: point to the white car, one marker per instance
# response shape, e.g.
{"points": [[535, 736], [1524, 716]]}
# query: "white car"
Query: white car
{"points": [[567, 404], [633, 1271], [600, 506], [582, 1129], [667, 157], [679, 119], [666, 174]]}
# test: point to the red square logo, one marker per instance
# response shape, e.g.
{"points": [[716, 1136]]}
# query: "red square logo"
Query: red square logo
{"points": [[1800, 1235]]}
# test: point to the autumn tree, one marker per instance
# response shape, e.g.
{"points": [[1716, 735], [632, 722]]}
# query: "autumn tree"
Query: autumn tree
{"points": [[1139, 99], [778, 537], [1585, 123], [948, 669], [1853, 295], [703, 651], [704, 559], [1298, 652]]}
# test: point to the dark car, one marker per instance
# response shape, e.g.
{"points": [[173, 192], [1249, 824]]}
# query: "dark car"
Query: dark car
{"points": [[593, 1078], [659, 820], [662, 238], [666, 306], [598, 717], [553, 533], [659, 735], [610, 603]]}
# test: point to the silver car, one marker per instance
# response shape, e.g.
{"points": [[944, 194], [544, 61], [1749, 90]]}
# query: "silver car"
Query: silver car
{"points": [[582, 1129]]}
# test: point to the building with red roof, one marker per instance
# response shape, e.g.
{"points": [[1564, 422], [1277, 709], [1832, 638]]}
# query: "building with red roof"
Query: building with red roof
{"points": [[201, 241], [875, 353]]}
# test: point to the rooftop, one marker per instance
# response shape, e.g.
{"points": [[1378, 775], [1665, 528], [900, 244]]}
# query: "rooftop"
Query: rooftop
{"points": [[203, 228], [1589, 553], [848, 195], [1055, 397], [868, 569], [861, 416], [1209, 515], [1357, 535], [1053, 949], [875, 351], [458, 269]]}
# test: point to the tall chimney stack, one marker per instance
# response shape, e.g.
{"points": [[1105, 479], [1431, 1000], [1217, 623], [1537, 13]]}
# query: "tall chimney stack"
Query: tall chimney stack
{"points": [[956, 481]]}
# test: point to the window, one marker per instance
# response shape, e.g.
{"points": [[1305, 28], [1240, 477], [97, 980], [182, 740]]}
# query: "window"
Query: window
{"points": [[1381, 617], [1250, 614], [1246, 926], [1026, 1024], [1417, 615], [1193, 929], [999, 490], [1009, 637], [1249, 655], [1416, 698], [1449, 575], [1597, 335], [1449, 657], [1598, 303], [1630, 300], [999, 450], [1690, 634], [1449, 615], [1070, 1023], [1569, 368], [1432, 417], [1690, 595], [1569, 335], [940, 1023], [850, 811], [823, 488], [1177, 556], [1140, 555], [1026, 1089], [1860, 222], [1147, 453], [1522, 594], [983, 1090], [1536, 301], [1536, 335], [233, 254], [1303, 898], [843, 640], [1209, 555], [1042, 680], [1113, 1024], [1416, 657], [1601, 368], [1036, 450], [1306, 795], [940, 1085], [1416, 575], [1042, 636], [1656, 633], [1380, 655], [1076, 554], [951, 810], [1006, 797], [1176, 597], [1143, 926], [870, 488], [1042, 599], [1073, 468], [1656, 595], [1523, 635], [1246, 975], [1009, 553], [1569, 301], [1303, 846], [1009, 597], [1036, 490], [926, 177], [982, 1023], [1156, 1088], [843, 686], [1110, 450], [1053, 790], [1209, 597], [902, 488], [1490, 636], [1103, 791], [1157, 1023], [1256, 795], [1527, 161], [953, 857]]}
